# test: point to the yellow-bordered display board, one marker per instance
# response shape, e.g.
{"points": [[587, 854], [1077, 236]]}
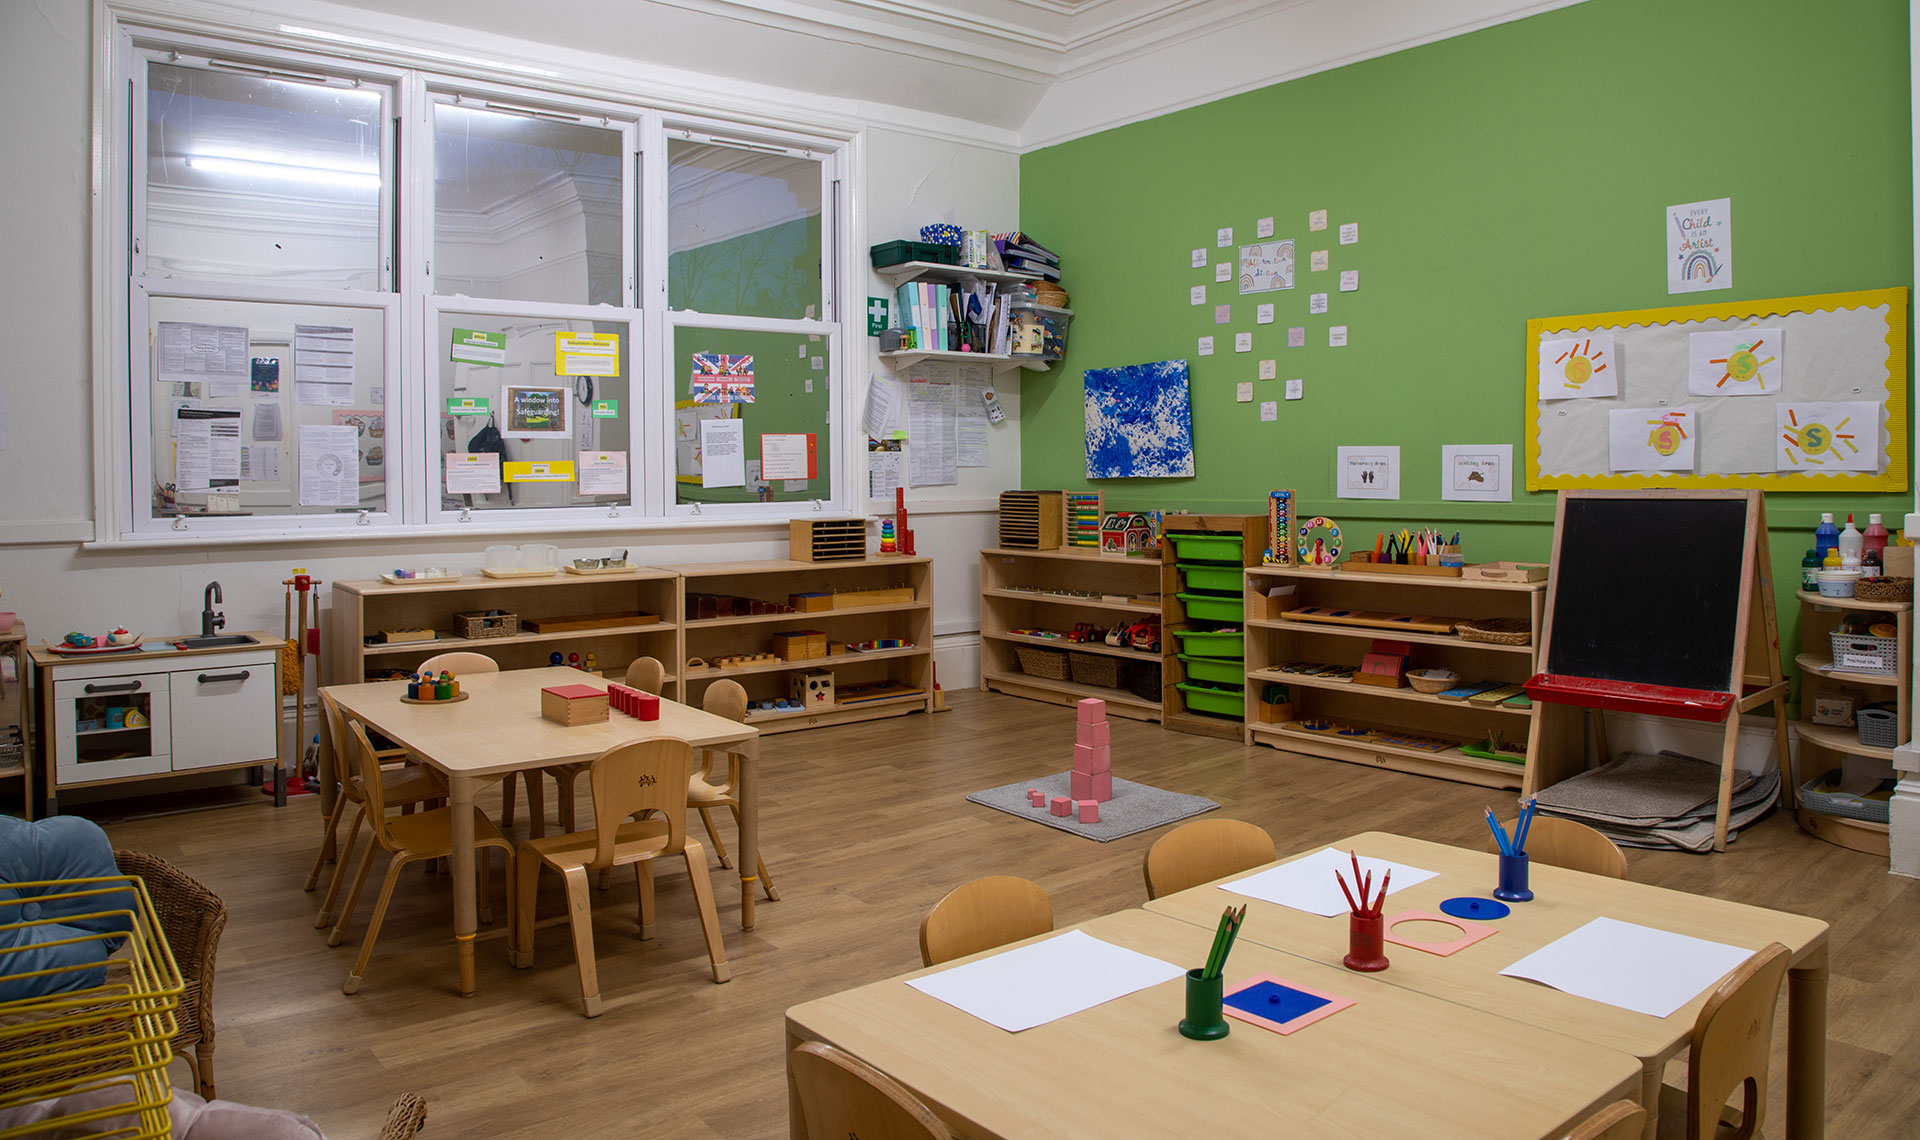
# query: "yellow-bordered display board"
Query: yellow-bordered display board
{"points": [[1747, 429]]}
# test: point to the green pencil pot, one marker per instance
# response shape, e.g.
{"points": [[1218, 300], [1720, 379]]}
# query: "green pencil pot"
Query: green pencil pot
{"points": [[1206, 1018]]}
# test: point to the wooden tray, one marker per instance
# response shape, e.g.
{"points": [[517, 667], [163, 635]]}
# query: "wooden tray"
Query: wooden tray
{"points": [[521, 573], [627, 569], [1352, 566], [388, 577], [1370, 619], [406, 700], [65, 650], [586, 622]]}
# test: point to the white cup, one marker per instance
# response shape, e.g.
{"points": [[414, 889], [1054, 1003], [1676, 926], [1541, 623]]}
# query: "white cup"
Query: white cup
{"points": [[539, 556], [503, 557]]}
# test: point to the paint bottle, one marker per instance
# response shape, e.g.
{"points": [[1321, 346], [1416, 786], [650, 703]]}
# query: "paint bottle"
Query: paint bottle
{"points": [[1832, 560], [1810, 571], [1874, 538], [1826, 536], [1850, 545]]}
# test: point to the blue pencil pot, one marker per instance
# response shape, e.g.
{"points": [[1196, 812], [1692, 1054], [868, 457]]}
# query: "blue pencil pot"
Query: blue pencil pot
{"points": [[1513, 879]]}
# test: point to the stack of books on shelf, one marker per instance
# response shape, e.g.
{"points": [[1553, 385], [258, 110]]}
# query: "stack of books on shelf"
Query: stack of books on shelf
{"points": [[973, 316], [1026, 257]]}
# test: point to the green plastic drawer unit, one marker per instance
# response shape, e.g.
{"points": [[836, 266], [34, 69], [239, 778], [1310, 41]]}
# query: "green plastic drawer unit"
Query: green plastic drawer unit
{"points": [[1213, 607], [1227, 643], [1196, 546], [1209, 576], [1225, 669], [1219, 702]]}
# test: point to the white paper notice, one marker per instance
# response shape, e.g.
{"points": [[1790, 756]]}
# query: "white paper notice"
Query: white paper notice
{"points": [[1046, 981], [885, 472], [883, 407], [723, 453], [1297, 336], [1206, 346], [1651, 439], [329, 465], [266, 421], [932, 427], [1199, 259], [1317, 303], [1634, 967], [260, 463], [970, 428], [603, 472], [1296, 389], [215, 355], [1349, 280], [1223, 237], [1578, 367], [1269, 411], [1223, 271], [1263, 228], [1477, 472], [206, 448], [1368, 472], [1349, 233], [1243, 392], [322, 368], [1318, 260], [1243, 342], [1269, 369], [1737, 362], [1308, 884], [1197, 295], [1337, 336], [1222, 314], [1828, 437], [473, 473], [1317, 220], [1263, 314]]}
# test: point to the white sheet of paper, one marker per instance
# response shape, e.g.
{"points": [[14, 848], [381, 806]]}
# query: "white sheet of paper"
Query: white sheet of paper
{"points": [[1827, 437], [323, 365], [1243, 342], [1269, 411], [1317, 220], [1199, 259], [1296, 389], [1297, 336], [1578, 367], [1049, 980], [933, 427], [1197, 295], [1479, 473], [1317, 303], [1223, 237], [1308, 883], [1630, 966], [266, 421], [192, 454], [1263, 314], [1349, 280], [885, 469], [1337, 336], [1263, 228], [473, 472], [1318, 261], [1368, 472], [1222, 314], [260, 463], [1206, 346], [215, 355], [1737, 362], [883, 406], [1700, 246], [1269, 369], [723, 453], [206, 448], [1349, 233], [602, 472], [970, 428], [1243, 392], [1223, 271], [1651, 439], [329, 465]]}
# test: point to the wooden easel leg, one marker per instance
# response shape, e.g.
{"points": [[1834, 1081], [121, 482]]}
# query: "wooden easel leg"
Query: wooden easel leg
{"points": [[1726, 782], [1601, 751]]}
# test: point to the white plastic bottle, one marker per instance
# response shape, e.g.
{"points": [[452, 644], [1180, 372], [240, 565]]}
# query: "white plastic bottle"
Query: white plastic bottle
{"points": [[1851, 543]]}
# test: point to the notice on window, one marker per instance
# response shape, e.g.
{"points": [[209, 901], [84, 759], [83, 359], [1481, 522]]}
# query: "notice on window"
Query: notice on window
{"points": [[214, 355], [260, 463], [329, 465], [886, 467], [723, 449], [323, 366], [586, 354], [206, 444], [931, 428], [788, 456], [603, 473], [555, 471], [471, 346], [473, 473]]}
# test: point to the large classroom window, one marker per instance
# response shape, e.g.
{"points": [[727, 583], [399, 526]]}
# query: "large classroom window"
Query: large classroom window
{"points": [[361, 297]]}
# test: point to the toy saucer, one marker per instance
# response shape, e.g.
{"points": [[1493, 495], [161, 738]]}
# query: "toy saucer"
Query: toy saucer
{"points": [[438, 701]]}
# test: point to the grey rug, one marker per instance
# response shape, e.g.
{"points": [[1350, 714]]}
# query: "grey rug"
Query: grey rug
{"points": [[1638, 788], [1694, 832], [1134, 807]]}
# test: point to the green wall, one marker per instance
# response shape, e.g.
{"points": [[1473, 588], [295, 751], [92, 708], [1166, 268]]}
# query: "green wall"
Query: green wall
{"points": [[1517, 172]]}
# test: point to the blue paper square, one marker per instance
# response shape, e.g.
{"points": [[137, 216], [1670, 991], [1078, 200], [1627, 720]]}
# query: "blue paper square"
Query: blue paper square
{"points": [[1274, 1002]]}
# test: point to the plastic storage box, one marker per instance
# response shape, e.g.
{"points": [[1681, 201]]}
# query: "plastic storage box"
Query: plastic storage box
{"points": [[1230, 643], [1218, 701]]}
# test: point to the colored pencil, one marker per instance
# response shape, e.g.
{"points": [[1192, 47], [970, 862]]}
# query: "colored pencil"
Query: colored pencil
{"points": [[1499, 833], [1379, 904], [1219, 941], [1233, 934], [1343, 890], [1522, 824]]}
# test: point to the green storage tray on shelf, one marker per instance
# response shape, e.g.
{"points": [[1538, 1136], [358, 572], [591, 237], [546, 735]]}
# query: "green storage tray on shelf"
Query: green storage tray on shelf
{"points": [[1212, 576], [1219, 702], [1230, 670], [1195, 546], [1230, 643], [1213, 607], [901, 252]]}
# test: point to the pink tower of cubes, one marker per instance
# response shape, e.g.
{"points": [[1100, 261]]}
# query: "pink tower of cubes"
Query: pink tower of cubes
{"points": [[1092, 774]]}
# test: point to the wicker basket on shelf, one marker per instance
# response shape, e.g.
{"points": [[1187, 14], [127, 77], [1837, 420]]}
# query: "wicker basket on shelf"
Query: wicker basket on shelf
{"points": [[1048, 663], [1094, 669], [1884, 589], [1432, 680], [1495, 631], [482, 624]]}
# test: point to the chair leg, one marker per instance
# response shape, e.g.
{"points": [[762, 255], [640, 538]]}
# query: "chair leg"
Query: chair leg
{"points": [[331, 825], [353, 896], [766, 880], [506, 801], [643, 887], [203, 1070], [709, 918], [392, 880], [343, 859], [719, 848], [563, 783], [526, 890], [536, 805], [193, 1067], [580, 918]]}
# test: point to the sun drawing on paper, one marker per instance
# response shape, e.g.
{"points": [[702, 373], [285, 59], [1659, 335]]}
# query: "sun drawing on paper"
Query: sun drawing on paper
{"points": [[1815, 442], [1744, 365], [1667, 434], [1581, 364]]}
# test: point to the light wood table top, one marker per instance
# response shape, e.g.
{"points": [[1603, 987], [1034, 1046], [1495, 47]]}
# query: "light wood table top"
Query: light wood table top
{"points": [[1397, 1063], [499, 729]]}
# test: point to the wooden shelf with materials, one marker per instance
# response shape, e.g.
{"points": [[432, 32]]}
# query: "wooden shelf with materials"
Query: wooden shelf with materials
{"points": [[1036, 606], [1827, 746]]}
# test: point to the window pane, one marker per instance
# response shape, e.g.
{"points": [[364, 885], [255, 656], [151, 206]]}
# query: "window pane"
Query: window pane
{"points": [[525, 209], [267, 409], [575, 425], [252, 179], [743, 231], [786, 376]]}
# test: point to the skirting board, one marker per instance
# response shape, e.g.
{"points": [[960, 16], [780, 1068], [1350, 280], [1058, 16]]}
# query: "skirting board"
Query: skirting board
{"points": [[1903, 832]]}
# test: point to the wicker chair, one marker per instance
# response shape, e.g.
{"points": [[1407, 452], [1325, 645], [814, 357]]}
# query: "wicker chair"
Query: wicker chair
{"points": [[409, 1114], [191, 917]]}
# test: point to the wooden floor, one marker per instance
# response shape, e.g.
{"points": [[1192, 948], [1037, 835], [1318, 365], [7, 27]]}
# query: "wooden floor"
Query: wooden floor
{"points": [[865, 827]]}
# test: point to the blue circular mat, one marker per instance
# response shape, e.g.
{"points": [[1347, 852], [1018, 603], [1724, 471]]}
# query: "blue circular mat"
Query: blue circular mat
{"points": [[1469, 907]]}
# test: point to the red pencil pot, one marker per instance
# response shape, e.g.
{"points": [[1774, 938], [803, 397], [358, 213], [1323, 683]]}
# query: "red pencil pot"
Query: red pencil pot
{"points": [[1366, 945], [648, 705]]}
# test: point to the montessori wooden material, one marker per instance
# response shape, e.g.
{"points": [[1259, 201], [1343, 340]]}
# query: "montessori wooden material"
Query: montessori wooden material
{"points": [[983, 914], [1031, 520], [1370, 619], [573, 705], [1700, 645]]}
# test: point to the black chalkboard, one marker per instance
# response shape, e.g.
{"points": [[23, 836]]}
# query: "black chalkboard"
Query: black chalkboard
{"points": [[1648, 590]]}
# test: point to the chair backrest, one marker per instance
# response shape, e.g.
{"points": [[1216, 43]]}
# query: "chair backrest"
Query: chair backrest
{"points": [[1621, 1120], [1731, 1040], [1575, 846], [191, 916], [1202, 851], [367, 766], [644, 776], [983, 914], [725, 698], [345, 759], [841, 1095], [458, 662], [647, 675]]}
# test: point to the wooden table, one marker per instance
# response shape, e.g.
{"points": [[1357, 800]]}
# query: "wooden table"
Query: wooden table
{"points": [[499, 731], [1563, 901], [1396, 1063]]}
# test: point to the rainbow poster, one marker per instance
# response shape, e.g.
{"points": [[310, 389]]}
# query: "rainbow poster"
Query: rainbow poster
{"points": [[1700, 246]]}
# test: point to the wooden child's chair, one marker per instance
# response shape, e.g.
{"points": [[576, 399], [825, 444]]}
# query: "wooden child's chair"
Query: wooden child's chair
{"points": [[401, 787], [1202, 851], [1558, 842], [709, 788], [841, 1095], [983, 914], [1731, 1039]]}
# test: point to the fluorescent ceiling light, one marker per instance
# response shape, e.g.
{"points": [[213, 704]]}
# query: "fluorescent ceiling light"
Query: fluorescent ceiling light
{"points": [[253, 168]]}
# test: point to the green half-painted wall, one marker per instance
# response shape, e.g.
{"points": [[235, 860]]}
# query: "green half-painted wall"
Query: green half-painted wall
{"points": [[1517, 172]]}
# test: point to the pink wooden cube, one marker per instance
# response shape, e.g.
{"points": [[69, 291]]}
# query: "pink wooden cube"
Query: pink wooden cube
{"points": [[1093, 710], [1089, 811], [1092, 734], [1102, 786], [1062, 806], [1082, 784], [1036, 797], [647, 706], [1092, 758]]}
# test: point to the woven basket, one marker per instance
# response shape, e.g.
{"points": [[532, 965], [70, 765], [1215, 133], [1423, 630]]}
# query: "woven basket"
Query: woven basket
{"points": [[1495, 631], [1884, 589], [477, 625], [1432, 680], [1048, 663], [1054, 297], [1094, 669]]}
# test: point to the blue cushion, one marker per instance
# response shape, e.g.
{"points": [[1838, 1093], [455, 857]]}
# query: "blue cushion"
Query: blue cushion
{"points": [[64, 847]]}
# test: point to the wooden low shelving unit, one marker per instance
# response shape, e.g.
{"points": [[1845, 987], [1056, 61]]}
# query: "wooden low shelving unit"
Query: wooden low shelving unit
{"points": [[1818, 618], [1003, 610]]}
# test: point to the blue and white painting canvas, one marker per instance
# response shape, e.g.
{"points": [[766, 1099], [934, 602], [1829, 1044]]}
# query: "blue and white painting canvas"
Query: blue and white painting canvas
{"points": [[1139, 422]]}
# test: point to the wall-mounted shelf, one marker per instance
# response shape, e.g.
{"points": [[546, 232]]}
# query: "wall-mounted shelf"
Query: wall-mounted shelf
{"points": [[907, 358], [898, 275]]}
